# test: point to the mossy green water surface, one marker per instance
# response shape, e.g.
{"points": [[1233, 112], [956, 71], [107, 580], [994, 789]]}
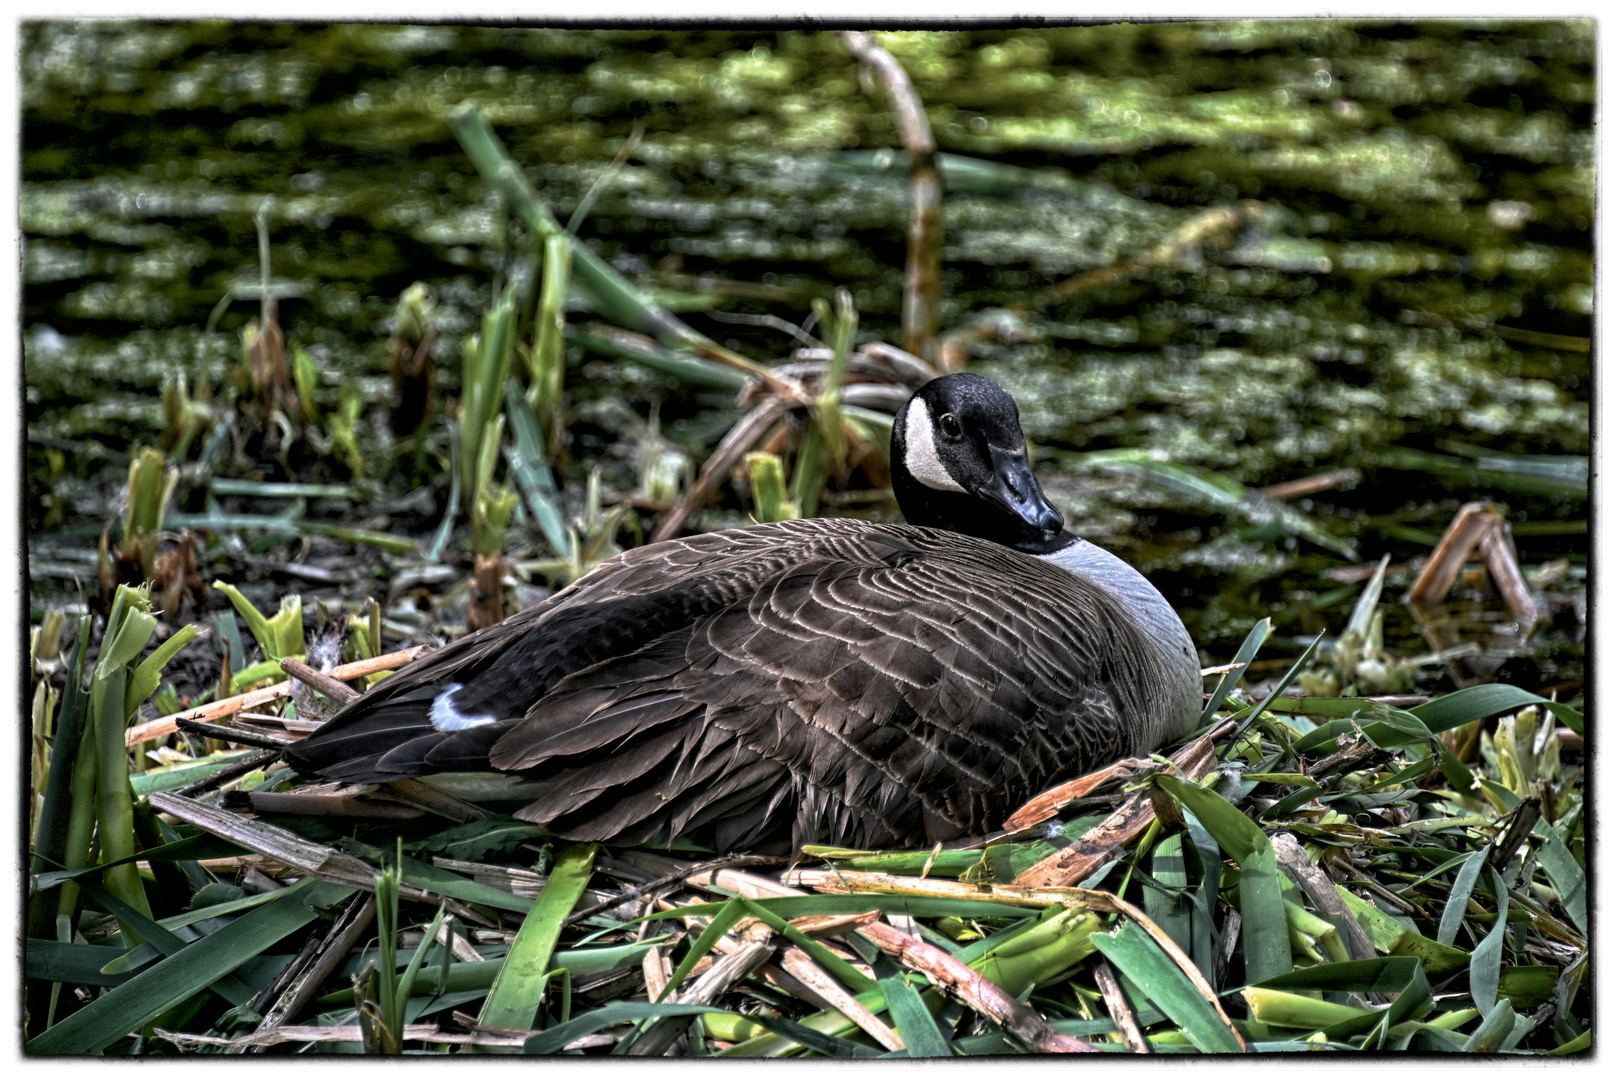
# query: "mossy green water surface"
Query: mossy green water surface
{"points": [[1416, 271]]}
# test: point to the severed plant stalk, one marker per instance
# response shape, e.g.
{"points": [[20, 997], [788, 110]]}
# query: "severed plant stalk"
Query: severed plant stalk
{"points": [[922, 282], [824, 447], [101, 779], [386, 1016], [278, 636], [486, 367], [42, 715], [414, 334], [151, 485], [385, 994], [490, 517], [186, 414], [305, 379], [768, 488], [546, 360], [341, 427], [52, 829]]}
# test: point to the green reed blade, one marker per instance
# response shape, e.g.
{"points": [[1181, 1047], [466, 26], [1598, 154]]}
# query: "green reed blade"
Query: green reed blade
{"points": [[513, 1002]]}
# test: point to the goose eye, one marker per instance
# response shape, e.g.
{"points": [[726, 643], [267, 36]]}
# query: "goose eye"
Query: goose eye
{"points": [[950, 426]]}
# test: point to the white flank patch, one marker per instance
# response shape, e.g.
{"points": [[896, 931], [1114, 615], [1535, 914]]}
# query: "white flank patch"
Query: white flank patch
{"points": [[920, 456], [445, 717]]}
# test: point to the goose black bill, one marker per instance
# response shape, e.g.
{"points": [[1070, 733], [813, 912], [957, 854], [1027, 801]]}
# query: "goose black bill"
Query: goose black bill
{"points": [[1015, 489]]}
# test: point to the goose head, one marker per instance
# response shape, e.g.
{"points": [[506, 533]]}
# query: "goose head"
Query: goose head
{"points": [[959, 462]]}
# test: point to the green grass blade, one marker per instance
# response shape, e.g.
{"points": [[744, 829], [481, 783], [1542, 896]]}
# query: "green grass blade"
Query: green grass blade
{"points": [[1235, 833], [1581, 1042], [166, 779], [1230, 679], [1362, 616], [826, 1045], [1564, 874], [265, 489], [547, 359], [148, 492], [914, 1022], [812, 469], [948, 864], [692, 370], [406, 981], [487, 361], [143, 998], [1264, 933], [1558, 477], [1205, 941], [767, 474], [447, 883], [81, 817], [611, 1015], [624, 1012], [1380, 975], [1263, 929], [726, 917], [1497, 1026], [1453, 913], [69, 962], [513, 1002], [1400, 976], [1485, 965], [920, 907], [132, 634], [386, 994], [480, 974], [1221, 492], [398, 545], [1172, 913], [619, 300], [1566, 989], [165, 941], [114, 813], [529, 467], [1009, 957], [1488, 699], [1137, 957], [287, 626], [493, 434], [1283, 1008], [1280, 686], [849, 976], [1059, 939], [1381, 724], [445, 528]]}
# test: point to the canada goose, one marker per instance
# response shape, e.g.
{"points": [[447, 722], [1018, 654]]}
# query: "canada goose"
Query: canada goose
{"points": [[826, 680]]}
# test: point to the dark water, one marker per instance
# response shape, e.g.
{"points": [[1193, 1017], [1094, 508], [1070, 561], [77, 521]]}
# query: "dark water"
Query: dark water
{"points": [[1415, 281]]}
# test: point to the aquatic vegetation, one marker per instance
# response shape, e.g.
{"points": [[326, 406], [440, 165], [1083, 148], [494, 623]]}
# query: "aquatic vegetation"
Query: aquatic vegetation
{"points": [[1281, 301]]}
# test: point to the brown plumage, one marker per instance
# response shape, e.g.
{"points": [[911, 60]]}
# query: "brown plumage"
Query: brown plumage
{"points": [[827, 680]]}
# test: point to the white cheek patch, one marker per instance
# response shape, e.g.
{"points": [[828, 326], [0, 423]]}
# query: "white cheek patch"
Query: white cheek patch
{"points": [[920, 456], [445, 717]]}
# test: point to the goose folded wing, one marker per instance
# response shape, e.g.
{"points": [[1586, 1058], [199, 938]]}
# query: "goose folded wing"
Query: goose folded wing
{"points": [[877, 702]]}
